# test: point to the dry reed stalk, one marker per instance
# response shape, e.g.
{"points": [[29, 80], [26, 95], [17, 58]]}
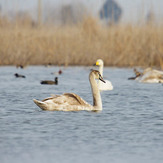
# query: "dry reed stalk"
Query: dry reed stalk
{"points": [[82, 44]]}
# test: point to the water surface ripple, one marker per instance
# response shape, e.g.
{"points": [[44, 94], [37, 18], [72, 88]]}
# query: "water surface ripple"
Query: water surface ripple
{"points": [[129, 129]]}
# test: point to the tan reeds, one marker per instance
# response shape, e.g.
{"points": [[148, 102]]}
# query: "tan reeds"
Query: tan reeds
{"points": [[82, 44]]}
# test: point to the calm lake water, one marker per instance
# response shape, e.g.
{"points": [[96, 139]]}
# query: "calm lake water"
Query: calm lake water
{"points": [[129, 129]]}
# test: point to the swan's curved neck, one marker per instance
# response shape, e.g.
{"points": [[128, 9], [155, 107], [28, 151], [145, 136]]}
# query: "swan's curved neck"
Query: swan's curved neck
{"points": [[97, 102], [101, 69], [101, 72]]}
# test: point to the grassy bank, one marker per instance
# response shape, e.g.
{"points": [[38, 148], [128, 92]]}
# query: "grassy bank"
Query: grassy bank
{"points": [[82, 44]]}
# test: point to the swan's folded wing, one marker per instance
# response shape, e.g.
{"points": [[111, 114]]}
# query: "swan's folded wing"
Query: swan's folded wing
{"points": [[152, 77], [160, 78], [56, 99], [158, 72], [75, 99], [66, 99], [153, 74], [48, 98]]}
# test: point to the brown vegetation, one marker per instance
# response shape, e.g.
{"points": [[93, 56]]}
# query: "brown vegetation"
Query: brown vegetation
{"points": [[81, 44]]}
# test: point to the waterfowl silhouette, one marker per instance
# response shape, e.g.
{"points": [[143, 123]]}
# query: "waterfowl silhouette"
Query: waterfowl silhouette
{"points": [[50, 82], [19, 76], [103, 86], [73, 102]]}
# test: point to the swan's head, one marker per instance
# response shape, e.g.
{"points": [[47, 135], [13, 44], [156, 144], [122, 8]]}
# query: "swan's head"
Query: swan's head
{"points": [[99, 62], [97, 75]]}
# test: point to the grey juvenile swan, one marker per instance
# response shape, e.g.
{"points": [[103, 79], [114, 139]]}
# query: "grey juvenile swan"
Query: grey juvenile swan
{"points": [[73, 102]]}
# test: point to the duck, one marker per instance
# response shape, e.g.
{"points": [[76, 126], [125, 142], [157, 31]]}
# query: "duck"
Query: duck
{"points": [[72, 101], [19, 76], [50, 82], [149, 75], [103, 86], [57, 73]]}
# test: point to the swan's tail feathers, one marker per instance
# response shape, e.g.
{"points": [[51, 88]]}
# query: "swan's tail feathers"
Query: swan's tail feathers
{"points": [[40, 104]]}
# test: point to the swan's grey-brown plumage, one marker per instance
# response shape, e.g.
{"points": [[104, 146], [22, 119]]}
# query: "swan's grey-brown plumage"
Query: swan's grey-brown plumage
{"points": [[73, 102], [50, 82]]}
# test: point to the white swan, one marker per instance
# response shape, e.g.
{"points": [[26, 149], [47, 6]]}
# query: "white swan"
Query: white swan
{"points": [[103, 86], [149, 75], [73, 102]]}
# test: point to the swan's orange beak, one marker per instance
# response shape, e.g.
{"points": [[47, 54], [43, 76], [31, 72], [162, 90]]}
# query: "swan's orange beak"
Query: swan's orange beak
{"points": [[96, 64]]}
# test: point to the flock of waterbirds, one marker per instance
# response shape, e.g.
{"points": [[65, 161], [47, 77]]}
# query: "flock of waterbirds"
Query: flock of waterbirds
{"points": [[50, 82], [73, 102]]}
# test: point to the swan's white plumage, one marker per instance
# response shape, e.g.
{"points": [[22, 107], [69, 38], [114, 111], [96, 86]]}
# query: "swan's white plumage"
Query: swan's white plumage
{"points": [[103, 86], [73, 102], [150, 75]]}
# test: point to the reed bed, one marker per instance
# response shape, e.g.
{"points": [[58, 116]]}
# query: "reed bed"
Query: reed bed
{"points": [[82, 44]]}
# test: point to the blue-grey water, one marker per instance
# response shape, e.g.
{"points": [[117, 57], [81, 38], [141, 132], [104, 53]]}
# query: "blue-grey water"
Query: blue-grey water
{"points": [[129, 128]]}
